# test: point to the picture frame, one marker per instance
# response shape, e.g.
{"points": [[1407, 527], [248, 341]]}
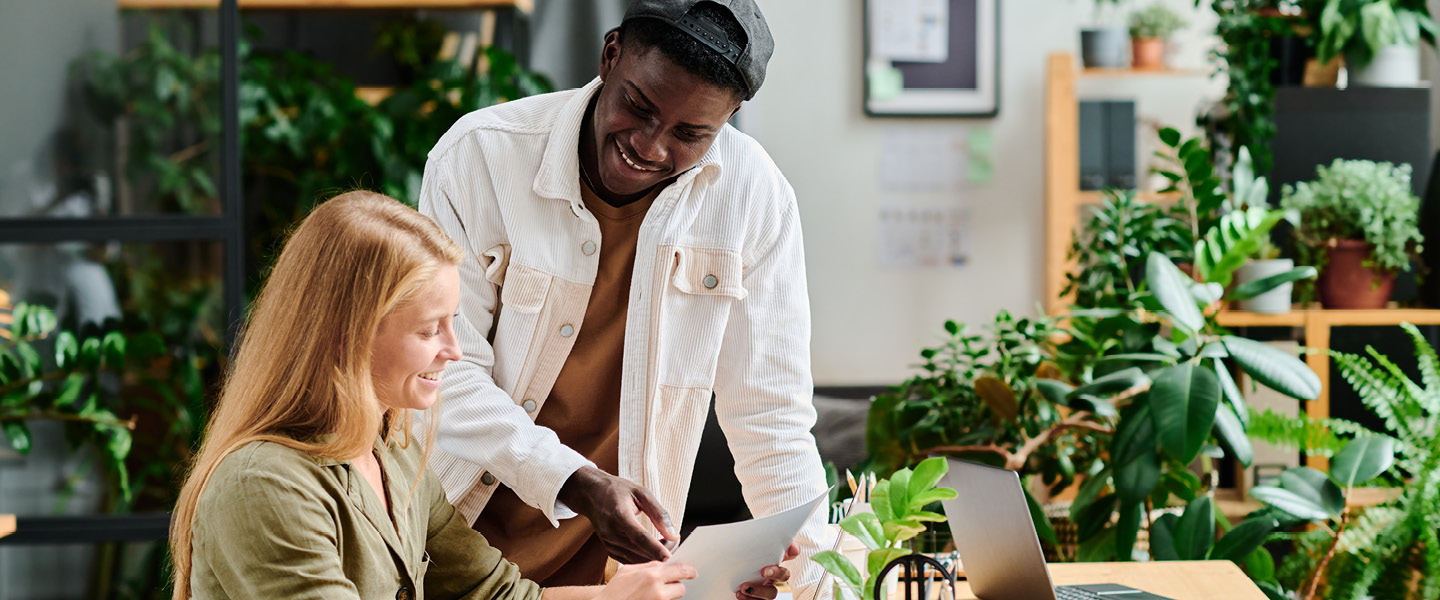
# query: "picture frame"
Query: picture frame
{"points": [[931, 58]]}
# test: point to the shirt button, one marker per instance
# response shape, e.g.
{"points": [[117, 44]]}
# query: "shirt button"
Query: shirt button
{"points": [[588, 248], [487, 479], [567, 331], [711, 282], [529, 405], [403, 594]]}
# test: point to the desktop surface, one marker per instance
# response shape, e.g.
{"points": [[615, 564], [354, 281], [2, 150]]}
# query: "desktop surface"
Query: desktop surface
{"points": [[1181, 580]]}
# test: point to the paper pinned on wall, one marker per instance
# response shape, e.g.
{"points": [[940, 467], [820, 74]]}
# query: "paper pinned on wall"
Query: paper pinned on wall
{"points": [[910, 30], [935, 160], [885, 81], [913, 235]]}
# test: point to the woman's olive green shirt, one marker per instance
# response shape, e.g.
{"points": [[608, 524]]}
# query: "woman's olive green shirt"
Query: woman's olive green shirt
{"points": [[275, 522]]}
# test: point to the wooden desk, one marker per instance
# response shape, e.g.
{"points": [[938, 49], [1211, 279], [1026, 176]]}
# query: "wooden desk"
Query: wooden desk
{"points": [[7, 525], [1181, 580]]}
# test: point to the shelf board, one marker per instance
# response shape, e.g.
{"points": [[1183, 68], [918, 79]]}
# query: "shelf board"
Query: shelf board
{"points": [[7, 525], [1333, 317], [1240, 318], [1126, 72], [523, 5]]}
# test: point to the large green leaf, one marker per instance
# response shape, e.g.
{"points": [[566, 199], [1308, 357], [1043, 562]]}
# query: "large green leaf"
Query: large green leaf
{"points": [[876, 561], [1289, 502], [1237, 544], [1315, 484], [1195, 531], [1172, 289], [1162, 538], [18, 434], [1363, 459], [70, 390], [66, 348], [1183, 400], [1274, 368], [1260, 565], [1054, 391], [1137, 464], [1042, 524], [839, 566], [925, 476], [1231, 392], [1127, 528], [866, 528], [1251, 289], [1232, 436], [996, 394], [1094, 517], [1233, 240]]}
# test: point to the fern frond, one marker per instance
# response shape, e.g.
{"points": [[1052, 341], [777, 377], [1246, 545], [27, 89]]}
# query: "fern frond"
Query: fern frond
{"points": [[1430, 569], [1374, 388], [1316, 437], [1411, 408], [1429, 369]]}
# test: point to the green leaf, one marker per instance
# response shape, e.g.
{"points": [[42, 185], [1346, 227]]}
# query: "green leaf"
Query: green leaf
{"points": [[1183, 400], [1231, 433], [113, 349], [1252, 289], [18, 434], [1162, 538], [1094, 517], [1111, 384], [29, 360], [1098, 406], [1289, 502], [66, 348], [90, 353], [1231, 392], [932, 495], [876, 561], [1172, 288], [1272, 590], [70, 391], [880, 500], [1363, 459], [1137, 464], [997, 395], [866, 528], [1315, 485], [925, 476], [839, 566], [1126, 530], [1042, 524], [1242, 541], [1195, 531], [1260, 565], [899, 493], [147, 344], [1274, 368], [1170, 137]]}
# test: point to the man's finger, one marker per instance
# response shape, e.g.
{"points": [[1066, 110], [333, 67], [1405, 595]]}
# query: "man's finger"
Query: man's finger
{"points": [[657, 514], [791, 552]]}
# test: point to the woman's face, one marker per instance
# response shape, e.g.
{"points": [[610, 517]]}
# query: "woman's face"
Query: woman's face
{"points": [[414, 344]]}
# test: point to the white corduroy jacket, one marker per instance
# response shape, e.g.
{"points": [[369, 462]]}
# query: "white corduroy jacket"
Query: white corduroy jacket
{"points": [[718, 303]]}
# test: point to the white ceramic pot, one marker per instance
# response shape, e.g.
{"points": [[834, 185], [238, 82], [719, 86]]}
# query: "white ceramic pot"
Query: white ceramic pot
{"points": [[1392, 66], [1273, 302]]}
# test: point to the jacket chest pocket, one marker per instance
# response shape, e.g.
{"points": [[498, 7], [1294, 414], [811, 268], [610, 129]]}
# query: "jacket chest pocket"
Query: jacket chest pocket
{"points": [[703, 288], [520, 310]]}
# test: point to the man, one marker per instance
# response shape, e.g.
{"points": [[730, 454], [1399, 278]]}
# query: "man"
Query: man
{"points": [[628, 253]]}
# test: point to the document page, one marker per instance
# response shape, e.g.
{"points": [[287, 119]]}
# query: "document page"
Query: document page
{"points": [[725, 556]]}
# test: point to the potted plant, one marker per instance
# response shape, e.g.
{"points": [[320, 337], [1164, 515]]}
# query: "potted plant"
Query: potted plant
{"points": [[1103, 45], [898, 513], [1379, 39], [1248, 193], [1149, 28], [1359, 225]]}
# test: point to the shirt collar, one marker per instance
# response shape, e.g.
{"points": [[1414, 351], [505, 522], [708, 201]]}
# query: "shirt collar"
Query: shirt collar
{"points": [[559, 173]]}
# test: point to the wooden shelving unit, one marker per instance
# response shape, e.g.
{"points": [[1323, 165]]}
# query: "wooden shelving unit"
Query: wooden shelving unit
{"points": [[1064, 199], [523, 5], [7, 525]]}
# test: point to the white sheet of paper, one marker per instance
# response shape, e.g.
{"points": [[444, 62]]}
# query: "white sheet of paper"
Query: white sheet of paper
{"points": [[725, 556], [911, 30]]}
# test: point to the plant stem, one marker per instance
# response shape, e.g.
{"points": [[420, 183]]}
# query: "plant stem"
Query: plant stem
{"points": [[1314, 581], [1016, 459], [54, 416], [15, 385]]}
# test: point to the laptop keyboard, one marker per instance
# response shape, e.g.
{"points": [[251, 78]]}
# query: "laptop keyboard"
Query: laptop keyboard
{"points": [[1075, 593]]}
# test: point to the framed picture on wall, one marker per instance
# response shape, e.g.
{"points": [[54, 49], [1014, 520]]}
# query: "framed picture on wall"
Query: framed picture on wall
{"points": [[929, 58]]}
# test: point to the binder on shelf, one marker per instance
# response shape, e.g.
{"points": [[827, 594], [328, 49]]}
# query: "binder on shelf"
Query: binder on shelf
{"points": [[1093, 153], [1120, 144]]}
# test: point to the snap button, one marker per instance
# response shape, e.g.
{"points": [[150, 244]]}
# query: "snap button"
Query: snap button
{"points": [[403, 594], [711, 282], [487, 478], [529, 405], [567, 331], [588, 248]]}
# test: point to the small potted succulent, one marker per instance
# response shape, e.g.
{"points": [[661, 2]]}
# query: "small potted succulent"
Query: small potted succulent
{"points": [[1358, 224], [1149, 28]]}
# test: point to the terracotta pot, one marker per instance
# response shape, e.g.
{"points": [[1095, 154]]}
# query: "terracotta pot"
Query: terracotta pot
{"points": [[1347, 283], [1147, 53]]}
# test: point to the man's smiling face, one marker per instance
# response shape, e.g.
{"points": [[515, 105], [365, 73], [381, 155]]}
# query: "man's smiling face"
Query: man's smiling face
{"points": [[652, 119]]}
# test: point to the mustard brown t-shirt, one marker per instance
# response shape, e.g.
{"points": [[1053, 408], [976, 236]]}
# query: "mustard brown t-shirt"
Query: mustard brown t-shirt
{"points": [[584, 411]]}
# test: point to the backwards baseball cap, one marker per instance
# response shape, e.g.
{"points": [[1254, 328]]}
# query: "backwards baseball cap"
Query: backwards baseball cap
{"points": [[749, 54]]}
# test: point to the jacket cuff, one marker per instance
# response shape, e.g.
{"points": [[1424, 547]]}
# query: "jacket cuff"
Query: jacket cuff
{"points": [[545, 475]]}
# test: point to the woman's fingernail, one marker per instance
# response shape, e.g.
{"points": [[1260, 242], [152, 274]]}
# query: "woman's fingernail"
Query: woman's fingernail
{"points": [[749, 589], [769, 572]]}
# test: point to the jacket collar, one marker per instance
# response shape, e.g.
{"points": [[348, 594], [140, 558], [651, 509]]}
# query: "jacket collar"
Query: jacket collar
{"points": [[559, 173]]}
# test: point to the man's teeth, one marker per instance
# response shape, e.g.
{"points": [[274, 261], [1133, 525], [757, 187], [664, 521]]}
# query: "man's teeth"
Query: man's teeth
{"points": [[632, 163], [435, 376]]}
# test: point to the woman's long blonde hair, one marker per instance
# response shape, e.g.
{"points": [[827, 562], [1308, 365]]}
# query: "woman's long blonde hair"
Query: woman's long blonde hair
{"points": [[301, 376]]}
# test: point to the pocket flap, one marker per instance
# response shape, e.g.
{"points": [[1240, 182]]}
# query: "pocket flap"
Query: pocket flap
{"points": [[709, 271]]}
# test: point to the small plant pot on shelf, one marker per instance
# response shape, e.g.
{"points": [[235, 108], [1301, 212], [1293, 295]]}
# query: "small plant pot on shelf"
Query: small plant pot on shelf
{"points": [[1347, 283], [1104, 47], [1395, 65], [1274, 302], [1147, 53]]}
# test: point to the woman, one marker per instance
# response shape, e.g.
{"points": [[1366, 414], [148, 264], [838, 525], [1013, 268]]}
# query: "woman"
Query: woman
{"points": [[307, 484]]}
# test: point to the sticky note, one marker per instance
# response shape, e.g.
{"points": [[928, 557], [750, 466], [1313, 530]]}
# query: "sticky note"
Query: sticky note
{"points": [[979, 170], [885, 82], [980, 141]]}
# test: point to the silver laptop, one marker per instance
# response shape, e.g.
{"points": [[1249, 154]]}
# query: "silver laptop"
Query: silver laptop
{"points": [[999, 550]]}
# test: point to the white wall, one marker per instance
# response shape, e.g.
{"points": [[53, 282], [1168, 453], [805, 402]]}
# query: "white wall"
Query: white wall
{"points": [[870, 322]]}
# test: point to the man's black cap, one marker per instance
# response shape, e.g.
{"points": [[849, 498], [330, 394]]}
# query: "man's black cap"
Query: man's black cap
{"points": [[749, 55]]}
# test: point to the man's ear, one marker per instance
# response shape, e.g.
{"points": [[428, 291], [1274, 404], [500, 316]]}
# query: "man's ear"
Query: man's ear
{"points": [[610, 54]]}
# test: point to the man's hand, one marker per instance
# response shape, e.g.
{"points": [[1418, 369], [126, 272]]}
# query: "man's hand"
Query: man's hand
{"points": [[773, 574], [614, 506]]}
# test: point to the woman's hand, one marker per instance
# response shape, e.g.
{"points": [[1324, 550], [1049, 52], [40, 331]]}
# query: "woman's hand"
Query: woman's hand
{"points": [[648, 581], [773, 574]]}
